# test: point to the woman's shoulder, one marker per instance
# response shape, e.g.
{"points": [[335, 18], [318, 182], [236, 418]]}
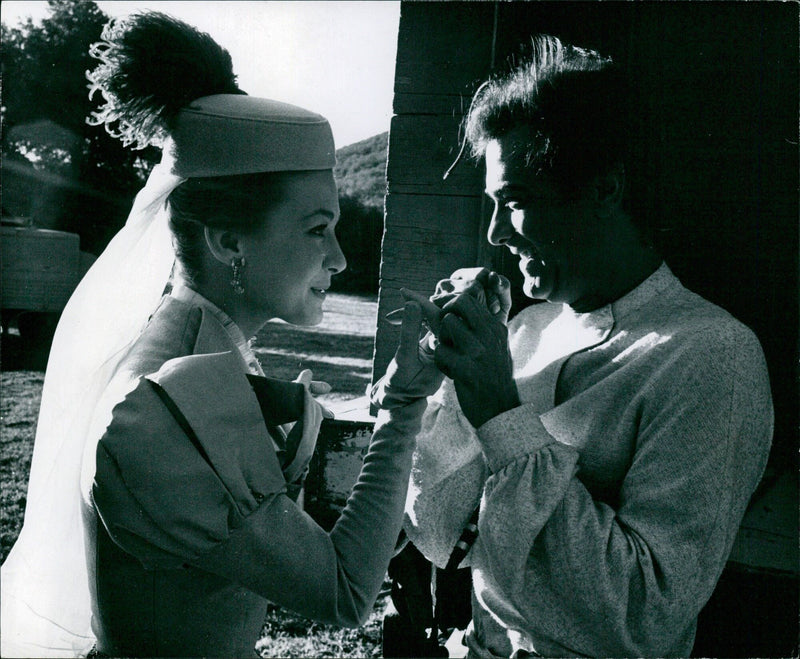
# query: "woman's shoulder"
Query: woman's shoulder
{"points": [[170, 332], [176, 329], [203, 404], [185, 458]]}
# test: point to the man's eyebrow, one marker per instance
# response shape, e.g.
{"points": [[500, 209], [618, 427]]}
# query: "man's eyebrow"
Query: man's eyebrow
{"points": [[505, 189], [321, 211]]}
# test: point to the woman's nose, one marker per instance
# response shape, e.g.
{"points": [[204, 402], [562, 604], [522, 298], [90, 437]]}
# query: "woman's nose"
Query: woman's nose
{"points": [[335, 260], [500, 228]]}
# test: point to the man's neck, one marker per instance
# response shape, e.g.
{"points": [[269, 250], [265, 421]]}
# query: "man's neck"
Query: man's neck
{"points": [[626, 261]]}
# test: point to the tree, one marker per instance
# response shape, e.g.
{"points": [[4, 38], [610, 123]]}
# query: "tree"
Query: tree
{"points": [[89, 177], [360, 230]]}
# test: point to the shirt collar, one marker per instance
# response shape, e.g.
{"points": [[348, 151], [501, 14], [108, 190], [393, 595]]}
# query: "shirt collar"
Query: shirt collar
{"points": [[656, 284], [602, 319], [185, 294]]}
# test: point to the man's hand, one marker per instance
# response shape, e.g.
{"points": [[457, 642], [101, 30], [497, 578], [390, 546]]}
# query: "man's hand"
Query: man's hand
{"points": [[473, 351], [487, 287], [484, 285]]}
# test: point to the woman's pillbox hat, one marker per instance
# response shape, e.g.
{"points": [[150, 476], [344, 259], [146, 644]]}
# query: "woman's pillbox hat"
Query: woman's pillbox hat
{"points": [[229, 134]]}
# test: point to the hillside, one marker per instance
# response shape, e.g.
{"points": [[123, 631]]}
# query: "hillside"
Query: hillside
{"points": [[361, 170]]}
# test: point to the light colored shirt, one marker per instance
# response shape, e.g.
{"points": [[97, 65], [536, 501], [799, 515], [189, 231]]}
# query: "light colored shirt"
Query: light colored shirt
{"points": [[610, 498]]}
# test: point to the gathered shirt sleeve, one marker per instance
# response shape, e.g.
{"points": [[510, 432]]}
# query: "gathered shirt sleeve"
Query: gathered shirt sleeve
{"points": [[447, 477], [222, 505], [626, 576], [606, 519]]}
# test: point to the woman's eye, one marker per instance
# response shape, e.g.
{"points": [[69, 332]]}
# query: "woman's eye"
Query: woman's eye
{"points": [[319, 230]]}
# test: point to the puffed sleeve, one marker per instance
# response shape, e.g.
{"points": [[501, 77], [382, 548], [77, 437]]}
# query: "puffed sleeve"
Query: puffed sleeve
{"points": [[161, 497], [447, 476]]}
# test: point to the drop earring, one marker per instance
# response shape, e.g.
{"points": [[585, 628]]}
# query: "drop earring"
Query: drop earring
{"points": [[237, 266]]}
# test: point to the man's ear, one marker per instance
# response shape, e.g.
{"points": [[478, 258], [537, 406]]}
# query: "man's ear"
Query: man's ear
{"points": [[609, 188], [224, 244]]}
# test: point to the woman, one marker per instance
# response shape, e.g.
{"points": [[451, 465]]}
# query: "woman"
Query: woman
{"points": [[164, 486]]}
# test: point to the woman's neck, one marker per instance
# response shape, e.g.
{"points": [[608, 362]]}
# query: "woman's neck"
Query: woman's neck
{"points": [[235, 306]]}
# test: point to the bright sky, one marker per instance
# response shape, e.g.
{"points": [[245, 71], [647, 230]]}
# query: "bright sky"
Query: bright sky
{"points": [[330, 56]]}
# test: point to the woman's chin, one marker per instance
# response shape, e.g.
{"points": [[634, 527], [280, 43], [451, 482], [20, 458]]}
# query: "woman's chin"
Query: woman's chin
{"points": [[312, 322], [308, 318]]}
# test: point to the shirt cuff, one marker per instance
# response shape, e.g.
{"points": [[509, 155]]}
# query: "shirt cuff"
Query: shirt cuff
{"points": [[511, 435]]}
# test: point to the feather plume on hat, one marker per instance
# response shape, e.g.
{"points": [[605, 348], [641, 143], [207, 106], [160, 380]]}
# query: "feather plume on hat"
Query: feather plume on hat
{"points": [[151, 67]]}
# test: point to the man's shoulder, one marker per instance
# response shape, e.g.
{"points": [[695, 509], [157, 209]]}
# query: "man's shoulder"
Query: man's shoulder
{"points": [[686, 312]]}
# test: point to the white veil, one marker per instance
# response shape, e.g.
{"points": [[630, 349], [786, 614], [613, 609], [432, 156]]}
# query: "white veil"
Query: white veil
{"points": [[46, 606]]}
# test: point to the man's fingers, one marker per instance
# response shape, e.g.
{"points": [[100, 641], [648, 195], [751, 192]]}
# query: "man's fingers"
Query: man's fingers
{"points": [[478, 274], [445, 358], [467, 308], [444, 287], [456, 333], [486, 287], [440, 299], [499, 295], [451, 362]]}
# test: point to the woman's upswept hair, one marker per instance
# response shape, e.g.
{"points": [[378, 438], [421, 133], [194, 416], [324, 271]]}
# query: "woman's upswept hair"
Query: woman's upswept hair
{"points": [[220, 202], [574, 102], [152, 66]]}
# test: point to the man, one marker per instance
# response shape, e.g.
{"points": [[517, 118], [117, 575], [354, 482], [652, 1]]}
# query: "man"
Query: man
{"points": [[611, 437]]}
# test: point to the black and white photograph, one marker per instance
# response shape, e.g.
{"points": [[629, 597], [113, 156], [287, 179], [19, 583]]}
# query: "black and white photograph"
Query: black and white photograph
{"points": [[399, 328]]}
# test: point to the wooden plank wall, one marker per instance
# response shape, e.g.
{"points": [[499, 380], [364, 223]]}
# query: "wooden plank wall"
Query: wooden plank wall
{"points": [[432, 226]]}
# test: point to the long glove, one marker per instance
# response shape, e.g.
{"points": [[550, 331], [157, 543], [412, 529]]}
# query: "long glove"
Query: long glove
{"points": [[412, 373]]}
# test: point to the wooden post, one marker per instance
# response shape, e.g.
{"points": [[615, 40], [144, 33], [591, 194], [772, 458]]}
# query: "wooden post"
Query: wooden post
{"points": [[432, 225]]}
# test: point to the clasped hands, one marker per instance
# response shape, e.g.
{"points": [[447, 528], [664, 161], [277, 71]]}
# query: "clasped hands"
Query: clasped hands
{"points": [[467, 340]]}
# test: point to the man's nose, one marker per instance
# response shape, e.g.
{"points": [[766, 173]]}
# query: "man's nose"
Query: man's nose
{"points": [[500, 228]]}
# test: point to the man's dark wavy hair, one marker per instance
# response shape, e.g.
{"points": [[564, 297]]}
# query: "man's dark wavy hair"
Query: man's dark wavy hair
{"points": [[575, 103]]}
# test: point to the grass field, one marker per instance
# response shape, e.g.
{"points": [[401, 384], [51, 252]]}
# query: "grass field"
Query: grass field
{"points": [[339, 351]]}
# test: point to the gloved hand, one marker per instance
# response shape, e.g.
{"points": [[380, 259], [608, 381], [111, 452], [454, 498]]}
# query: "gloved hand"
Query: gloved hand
{"points": [[412, 374], [488, 288]]}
